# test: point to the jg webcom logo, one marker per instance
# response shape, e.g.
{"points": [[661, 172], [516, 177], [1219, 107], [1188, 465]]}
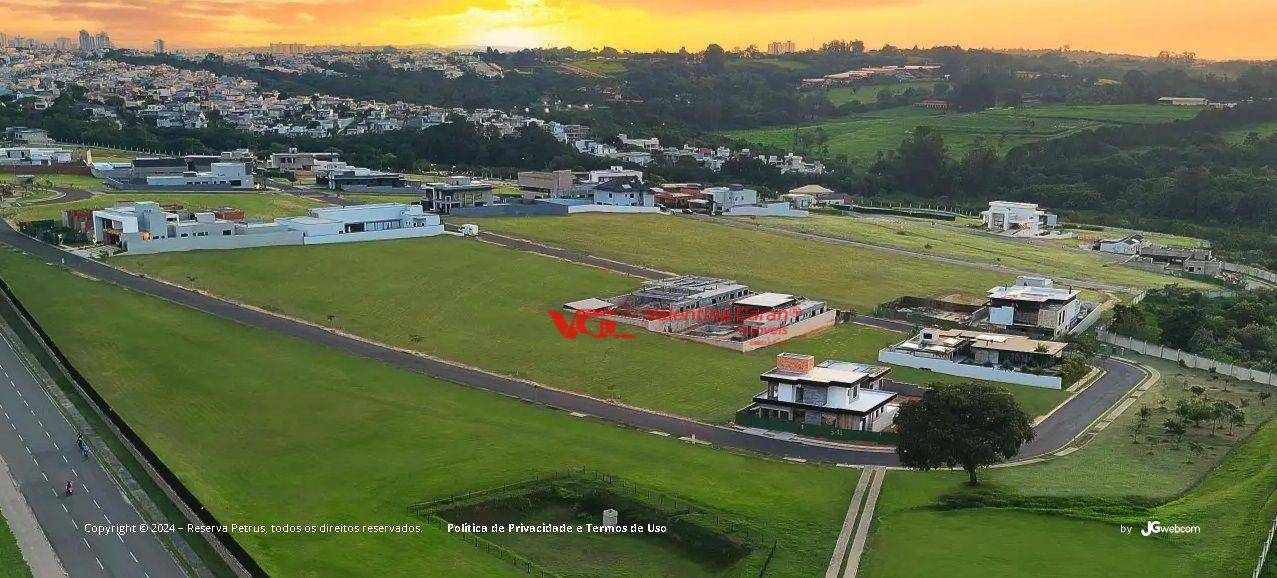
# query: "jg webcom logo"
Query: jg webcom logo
{"points": [[579, 324]]}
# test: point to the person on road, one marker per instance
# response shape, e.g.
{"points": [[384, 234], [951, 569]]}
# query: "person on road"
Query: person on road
{"points": [[70, 488], [79, 440], [84, 447]]}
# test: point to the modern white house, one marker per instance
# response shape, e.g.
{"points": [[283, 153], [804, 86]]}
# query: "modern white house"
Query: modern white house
{"points": [[1128, 245], [978, 355], [1034, 303], [724, 198], [600, 176], [623, 192], [228, 175], [832, 393], [145, 227], [1017, 219], [35, 156]]}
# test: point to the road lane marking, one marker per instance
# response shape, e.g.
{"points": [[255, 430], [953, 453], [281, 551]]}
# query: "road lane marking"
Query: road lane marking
{"points": [[64, 509], [45, 476], [108, 518], [95, 503], [133, 557], [20, 438], [64, 460], [77, 474], [99, 563], [86, 543]]}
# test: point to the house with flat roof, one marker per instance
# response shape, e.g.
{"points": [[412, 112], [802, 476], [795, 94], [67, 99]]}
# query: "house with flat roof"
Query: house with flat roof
{"points": [[294, 161], [456, 192], [339, 176], [1017, 219], [623, 192], [830, 393], [219, 176], [718, 312], [146, 227], [978, 355], [1035, 304], [1128, 245]]}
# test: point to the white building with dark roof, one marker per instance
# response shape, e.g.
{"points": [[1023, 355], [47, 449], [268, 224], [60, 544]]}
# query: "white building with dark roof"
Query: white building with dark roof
{"points": [[830, 393]]}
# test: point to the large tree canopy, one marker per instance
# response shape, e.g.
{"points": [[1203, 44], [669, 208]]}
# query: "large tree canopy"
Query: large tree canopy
{"points": [[969, 425]]}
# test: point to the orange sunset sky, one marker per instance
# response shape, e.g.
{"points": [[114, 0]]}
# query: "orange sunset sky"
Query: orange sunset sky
{"points": [[1216, 30]]}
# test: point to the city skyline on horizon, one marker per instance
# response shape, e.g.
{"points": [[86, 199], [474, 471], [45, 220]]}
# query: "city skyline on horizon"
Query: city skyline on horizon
{"points": [[1139, 27]]}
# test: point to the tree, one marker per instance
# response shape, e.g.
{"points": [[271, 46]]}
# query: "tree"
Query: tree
{"points": [[968, 425], [715, 59], [1263, 396], [1175, 428]]}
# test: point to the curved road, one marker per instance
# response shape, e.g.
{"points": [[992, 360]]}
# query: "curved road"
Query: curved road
{"points": [[1057, 430]]}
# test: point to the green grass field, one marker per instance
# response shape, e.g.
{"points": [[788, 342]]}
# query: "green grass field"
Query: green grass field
{"points": [[868, 94], [267, 429], [843, 275], [255, 205], [1228, 490], [81, 181], [949, 241], [11, 563], [487, 306], [861, 136], [910, 539]]}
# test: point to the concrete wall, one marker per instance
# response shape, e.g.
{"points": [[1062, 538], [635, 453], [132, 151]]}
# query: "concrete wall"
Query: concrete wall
{"points": [[512, 210], [375, 190], [214, 242], [782, 210], [887, 355], [404, 233], [573, 209], [1188, 359]]}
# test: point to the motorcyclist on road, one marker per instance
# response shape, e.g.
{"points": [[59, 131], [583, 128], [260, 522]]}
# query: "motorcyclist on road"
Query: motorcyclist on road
{"points": [[70, 488]]}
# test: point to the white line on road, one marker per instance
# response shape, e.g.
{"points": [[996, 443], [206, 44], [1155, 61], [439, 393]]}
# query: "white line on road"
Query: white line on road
{"points": [[99, 563], [133, 557], [64, 509], [64, 460], [95, 503], [45, 476], [86, 543], [77, 474], [20, 438]]}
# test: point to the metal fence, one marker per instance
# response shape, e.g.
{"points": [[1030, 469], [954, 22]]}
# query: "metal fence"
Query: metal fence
{"points": [[1187, 359]]}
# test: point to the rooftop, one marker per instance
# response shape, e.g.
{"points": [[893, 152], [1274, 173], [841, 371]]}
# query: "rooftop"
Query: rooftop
{"points": [[830, 372], [766, 300]]}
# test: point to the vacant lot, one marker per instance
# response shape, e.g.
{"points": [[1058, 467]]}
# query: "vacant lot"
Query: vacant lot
{"points": [[255, 205], [267, 429], [82, 181], [846, 276], [861, 136], [869, 94], [950, 241], [487, 306]]}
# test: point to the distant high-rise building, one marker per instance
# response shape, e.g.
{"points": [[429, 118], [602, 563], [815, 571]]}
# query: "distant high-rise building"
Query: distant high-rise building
{"points": [[785, 47], [4, 40], [159, 46], [102, 41], [86, 41], [62, 43], [287, 48]]}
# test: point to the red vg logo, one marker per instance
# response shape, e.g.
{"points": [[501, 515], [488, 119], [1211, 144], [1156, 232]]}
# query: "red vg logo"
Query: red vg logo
{"points": [[570, 328]]}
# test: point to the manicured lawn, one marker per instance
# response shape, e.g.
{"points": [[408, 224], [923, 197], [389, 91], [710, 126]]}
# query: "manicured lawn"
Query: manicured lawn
{"points": [[846, 276], [82, 181], [909, 539], [869, 94], [11, 563], [267, 429], [861, 136], [951, 241], [487, 306], [263, 206]]}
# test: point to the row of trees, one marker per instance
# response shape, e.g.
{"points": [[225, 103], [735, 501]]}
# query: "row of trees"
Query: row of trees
{"points": [[1240, 329]]}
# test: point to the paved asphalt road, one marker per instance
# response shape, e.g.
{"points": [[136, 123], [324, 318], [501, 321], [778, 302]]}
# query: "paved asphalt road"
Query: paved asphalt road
{"points": [[40, 448], [1073, 416]]}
